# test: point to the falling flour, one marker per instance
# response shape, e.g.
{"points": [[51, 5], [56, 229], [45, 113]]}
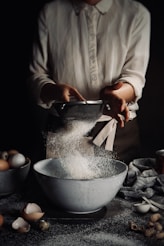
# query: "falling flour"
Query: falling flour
{"points": [[75, 151]]}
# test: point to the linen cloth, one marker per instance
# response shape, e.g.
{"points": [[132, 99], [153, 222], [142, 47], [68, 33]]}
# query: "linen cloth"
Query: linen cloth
{"points": [[142, 180]]}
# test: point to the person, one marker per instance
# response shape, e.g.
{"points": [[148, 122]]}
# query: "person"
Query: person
{"points": [[89, 50]]}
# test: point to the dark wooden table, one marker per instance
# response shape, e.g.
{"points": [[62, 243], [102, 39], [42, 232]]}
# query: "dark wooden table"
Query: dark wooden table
{"points": [[109, 226]]}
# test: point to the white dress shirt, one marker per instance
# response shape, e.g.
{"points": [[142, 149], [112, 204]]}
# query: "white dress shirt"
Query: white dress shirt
{"points": [[90, 47]]}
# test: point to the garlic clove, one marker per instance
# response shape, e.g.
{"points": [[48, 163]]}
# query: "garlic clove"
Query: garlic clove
{"points": [[44, 225], [142, 208], [21, 225], [153, 208], [32, 212]]}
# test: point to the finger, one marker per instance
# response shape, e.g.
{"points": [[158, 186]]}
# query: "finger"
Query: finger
{"points": [[127, 115], [123, 105], [77, 95], [125, 112], [66, 95], [121, 120]]}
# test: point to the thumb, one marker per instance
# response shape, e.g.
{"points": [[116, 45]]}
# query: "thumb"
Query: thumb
{"points": [[117, 85]]}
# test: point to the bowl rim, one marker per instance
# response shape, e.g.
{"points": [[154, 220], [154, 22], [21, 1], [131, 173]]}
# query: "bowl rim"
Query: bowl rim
{"points": [[82, 179], [72, 103]]}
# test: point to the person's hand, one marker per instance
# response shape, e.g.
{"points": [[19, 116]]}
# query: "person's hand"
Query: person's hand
{"points": [[65, 92], [60, 92], [115, 106]]}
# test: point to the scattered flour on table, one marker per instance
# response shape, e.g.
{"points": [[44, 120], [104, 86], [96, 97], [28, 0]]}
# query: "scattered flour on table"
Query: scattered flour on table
{"points": [[112, 231]]}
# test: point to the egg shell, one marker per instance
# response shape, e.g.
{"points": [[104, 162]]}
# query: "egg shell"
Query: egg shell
{"points": [[4, 155], [4, 165], [32, 212], [32, 207], [21, 225], [33, 216], [16, 160]]}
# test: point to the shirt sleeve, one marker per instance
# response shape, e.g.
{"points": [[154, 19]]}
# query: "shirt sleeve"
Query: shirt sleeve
{"points": [[39, 72], [138, 53]]}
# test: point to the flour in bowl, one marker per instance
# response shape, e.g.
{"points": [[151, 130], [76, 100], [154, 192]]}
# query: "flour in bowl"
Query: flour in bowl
{"points": [[76, 152]]}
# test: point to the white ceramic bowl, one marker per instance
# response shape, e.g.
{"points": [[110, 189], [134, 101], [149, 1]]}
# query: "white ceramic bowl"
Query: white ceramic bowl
{"points": [[80, 195], [13, 179]]}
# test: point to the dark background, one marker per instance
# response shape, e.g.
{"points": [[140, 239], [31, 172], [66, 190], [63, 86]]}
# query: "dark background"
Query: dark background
{"points": [[18, 126]]}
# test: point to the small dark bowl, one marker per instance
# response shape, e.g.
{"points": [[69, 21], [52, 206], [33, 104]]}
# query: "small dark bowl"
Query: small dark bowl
{"points": [[13, 179]]}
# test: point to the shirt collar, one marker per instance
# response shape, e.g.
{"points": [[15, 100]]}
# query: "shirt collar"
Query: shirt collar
{"points": [[102, 6]]}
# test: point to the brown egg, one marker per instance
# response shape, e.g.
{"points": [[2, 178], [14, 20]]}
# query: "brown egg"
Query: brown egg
{"points": [[4, 165], [12, 152]]}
